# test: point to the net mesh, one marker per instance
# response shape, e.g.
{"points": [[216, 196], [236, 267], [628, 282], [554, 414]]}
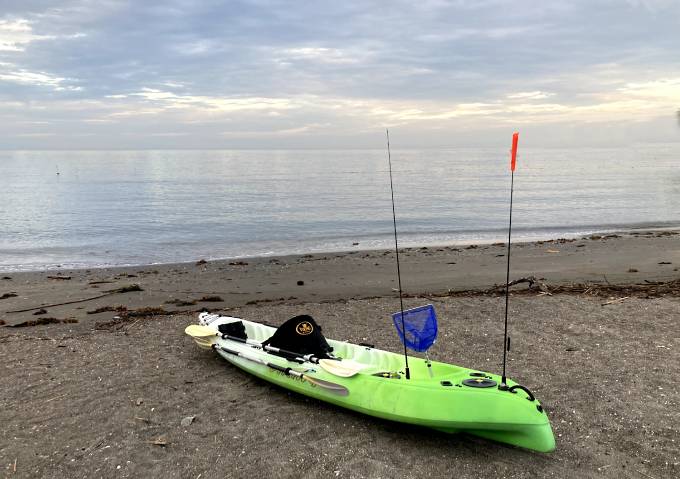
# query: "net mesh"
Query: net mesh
{"points": [[421, 327]]}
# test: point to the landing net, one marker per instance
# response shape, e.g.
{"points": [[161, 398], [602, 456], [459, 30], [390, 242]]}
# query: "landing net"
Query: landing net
{"points": [[421, 327]]}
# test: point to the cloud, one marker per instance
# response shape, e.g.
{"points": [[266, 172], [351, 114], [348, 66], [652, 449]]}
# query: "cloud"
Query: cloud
{"points": [[198, 47], [168, 99], [663, 90], [16, 34], [269, 133], [319, 54], [260, 72], [40, 79], [495, 33], [530, 95]]}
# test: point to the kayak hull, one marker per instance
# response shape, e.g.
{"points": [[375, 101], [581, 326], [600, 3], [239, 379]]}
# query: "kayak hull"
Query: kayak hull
{"points": [[442, 401]]}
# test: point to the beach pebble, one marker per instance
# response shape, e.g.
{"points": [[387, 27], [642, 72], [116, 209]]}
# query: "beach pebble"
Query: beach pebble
{"points": [[139, 401], [187, 421], [300, 283]]}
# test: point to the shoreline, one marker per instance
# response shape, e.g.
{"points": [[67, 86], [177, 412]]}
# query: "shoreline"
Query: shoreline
{"points": [[581, 235], [616, 259]]}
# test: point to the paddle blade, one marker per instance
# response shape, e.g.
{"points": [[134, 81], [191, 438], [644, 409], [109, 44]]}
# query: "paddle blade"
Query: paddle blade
{"points": [[345, 368], [513, 151], [328, 386], [198, 331], [204, 343], [203, 336]]}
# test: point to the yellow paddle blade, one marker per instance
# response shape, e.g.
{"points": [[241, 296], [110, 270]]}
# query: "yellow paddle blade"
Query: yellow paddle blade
{"points": [[345, 368], [204, 337], [338, 389], [351, 363], [204, 344], [198, 331]]}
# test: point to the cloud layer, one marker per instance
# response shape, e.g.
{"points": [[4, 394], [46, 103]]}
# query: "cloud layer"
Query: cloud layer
{"points": [[268, 73]]}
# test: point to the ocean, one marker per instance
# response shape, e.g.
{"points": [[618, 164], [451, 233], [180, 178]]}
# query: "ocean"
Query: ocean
{"points": [[87, 209]]}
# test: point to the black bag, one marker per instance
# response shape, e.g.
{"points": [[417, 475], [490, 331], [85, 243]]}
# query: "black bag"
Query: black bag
{"points": [[236, 329], [300, 335]]}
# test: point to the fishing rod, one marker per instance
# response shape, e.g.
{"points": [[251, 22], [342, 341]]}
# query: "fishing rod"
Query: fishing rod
{"points": [[506, 339], [396, 250]]}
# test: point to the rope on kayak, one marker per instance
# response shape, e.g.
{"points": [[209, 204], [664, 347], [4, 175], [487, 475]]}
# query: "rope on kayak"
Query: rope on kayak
{"points": [[396, 250]]}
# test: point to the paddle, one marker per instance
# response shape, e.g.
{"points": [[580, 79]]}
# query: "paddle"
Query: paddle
{"points": [[328, 386], [344, 368], [205, 338]]}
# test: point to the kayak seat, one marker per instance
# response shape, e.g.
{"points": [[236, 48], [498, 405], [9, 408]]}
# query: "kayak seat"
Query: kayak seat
{"points": [[301, 335]]}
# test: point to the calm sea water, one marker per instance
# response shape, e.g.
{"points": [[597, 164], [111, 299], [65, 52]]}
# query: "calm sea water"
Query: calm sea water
{"points": [[142, 207]]}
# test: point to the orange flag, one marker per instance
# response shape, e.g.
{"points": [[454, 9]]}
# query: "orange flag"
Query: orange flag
{"points": [[513, 152]]}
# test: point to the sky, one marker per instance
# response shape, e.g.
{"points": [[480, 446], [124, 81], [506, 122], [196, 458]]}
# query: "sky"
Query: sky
{"points": [[125, 74]]}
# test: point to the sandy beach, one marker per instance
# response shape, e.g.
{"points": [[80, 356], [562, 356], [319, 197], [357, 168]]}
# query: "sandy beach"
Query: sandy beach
{"points": [[261, 160], [99, 387]]}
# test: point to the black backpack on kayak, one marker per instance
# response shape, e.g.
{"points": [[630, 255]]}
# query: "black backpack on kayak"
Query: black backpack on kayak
{"points": [[300, 335], [236, 329]]}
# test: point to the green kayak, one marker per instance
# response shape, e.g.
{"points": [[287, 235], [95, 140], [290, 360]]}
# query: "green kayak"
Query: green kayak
{"points": [[442, 396]]}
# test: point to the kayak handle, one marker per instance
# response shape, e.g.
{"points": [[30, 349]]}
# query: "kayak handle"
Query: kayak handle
{"points": [[523, 388]]}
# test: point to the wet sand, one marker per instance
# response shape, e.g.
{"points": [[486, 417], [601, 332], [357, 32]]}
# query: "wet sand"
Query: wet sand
{"points": [[103, 395], [610, 259]]}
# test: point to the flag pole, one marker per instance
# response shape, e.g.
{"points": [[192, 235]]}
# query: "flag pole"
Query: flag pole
{"points": [[396, 250], [506, 339]]}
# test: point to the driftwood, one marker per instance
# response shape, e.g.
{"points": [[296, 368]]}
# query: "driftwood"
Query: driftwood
{"points": [[42, 321], [618, 300], [534, 285], [126, 316], [124, 289], [648, 289]]}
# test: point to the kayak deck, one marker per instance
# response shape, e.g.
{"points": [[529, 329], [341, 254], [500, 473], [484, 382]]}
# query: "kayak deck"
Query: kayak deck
{"points": [[450, 400]]}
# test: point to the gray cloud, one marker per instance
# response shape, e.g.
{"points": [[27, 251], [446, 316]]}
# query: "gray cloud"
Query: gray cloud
{"points": [[182, 73]]}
